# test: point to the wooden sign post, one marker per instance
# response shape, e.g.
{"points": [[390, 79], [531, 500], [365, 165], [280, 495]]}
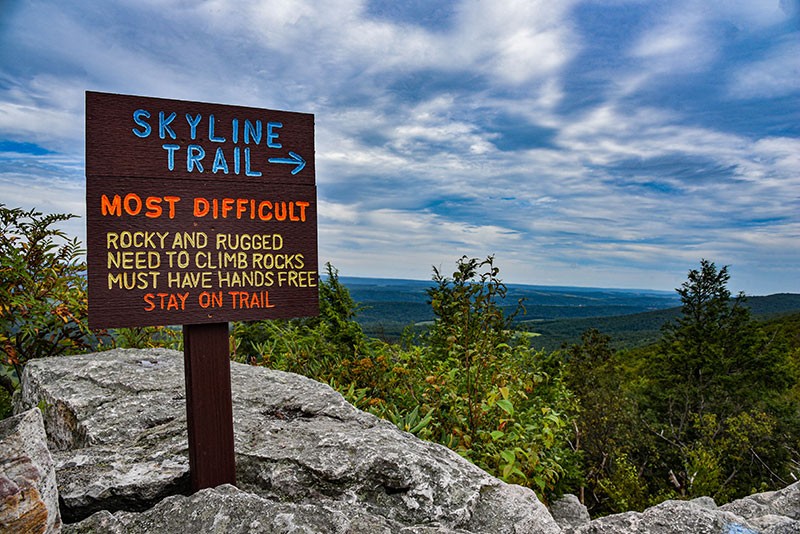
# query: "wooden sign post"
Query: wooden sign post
{"points": [[199, 214], [209, 412]]}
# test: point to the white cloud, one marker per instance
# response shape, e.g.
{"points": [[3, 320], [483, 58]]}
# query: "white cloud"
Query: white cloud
{"points": [[512, 44], [516, 42], [680, 43], [405, 243], [749, 15], [41, 126], [776, 74], [49, 194], [336, 212]]}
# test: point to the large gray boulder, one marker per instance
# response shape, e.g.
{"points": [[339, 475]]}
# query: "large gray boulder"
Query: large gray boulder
{"points": [[28, 493], [116, 426], [116, 422]]}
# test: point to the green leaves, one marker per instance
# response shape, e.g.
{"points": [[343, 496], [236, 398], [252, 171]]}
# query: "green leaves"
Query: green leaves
{"points": [[506, 406], [42, 290], [509, 457], [497, 434]]}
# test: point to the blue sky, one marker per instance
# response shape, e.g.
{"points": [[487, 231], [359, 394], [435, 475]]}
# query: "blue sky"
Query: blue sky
{"points": [[590, 143]]}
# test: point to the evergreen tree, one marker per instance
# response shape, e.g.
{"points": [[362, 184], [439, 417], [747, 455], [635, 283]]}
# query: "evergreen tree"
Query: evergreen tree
{"points": [[715, 394]]}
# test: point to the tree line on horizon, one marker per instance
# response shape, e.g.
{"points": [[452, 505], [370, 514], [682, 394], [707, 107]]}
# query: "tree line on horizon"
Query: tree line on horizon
{"points": [[712, 408]]}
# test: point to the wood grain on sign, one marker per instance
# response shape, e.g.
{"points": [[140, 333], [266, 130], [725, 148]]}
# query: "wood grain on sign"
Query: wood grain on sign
{"points": [[213, 253], [132, 136], [198, 213]]}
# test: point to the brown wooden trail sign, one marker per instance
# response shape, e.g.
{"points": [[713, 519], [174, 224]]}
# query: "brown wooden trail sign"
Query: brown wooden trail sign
{"points": [[199, 214]]}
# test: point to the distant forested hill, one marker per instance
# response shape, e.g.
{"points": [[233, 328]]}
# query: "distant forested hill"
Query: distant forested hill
{"points": [[556, 314], [643, 328]]}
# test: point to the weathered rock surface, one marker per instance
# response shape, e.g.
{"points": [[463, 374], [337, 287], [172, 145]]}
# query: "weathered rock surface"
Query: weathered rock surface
{"points": [[227, 510], [766, 513], [671, 517], [28, 492], [116, 426], [774, 512], [117, 423], [568, 512]]}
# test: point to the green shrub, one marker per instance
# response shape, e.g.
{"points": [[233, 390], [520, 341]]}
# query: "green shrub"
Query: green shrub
{"points": [[43, 306], [146, 337]]}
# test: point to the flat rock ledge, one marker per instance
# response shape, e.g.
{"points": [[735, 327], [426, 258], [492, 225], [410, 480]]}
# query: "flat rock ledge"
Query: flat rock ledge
{"points": [[306, 460]]}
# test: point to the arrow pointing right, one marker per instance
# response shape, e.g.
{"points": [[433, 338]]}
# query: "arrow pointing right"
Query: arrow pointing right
{"points": [[293, 159]]}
